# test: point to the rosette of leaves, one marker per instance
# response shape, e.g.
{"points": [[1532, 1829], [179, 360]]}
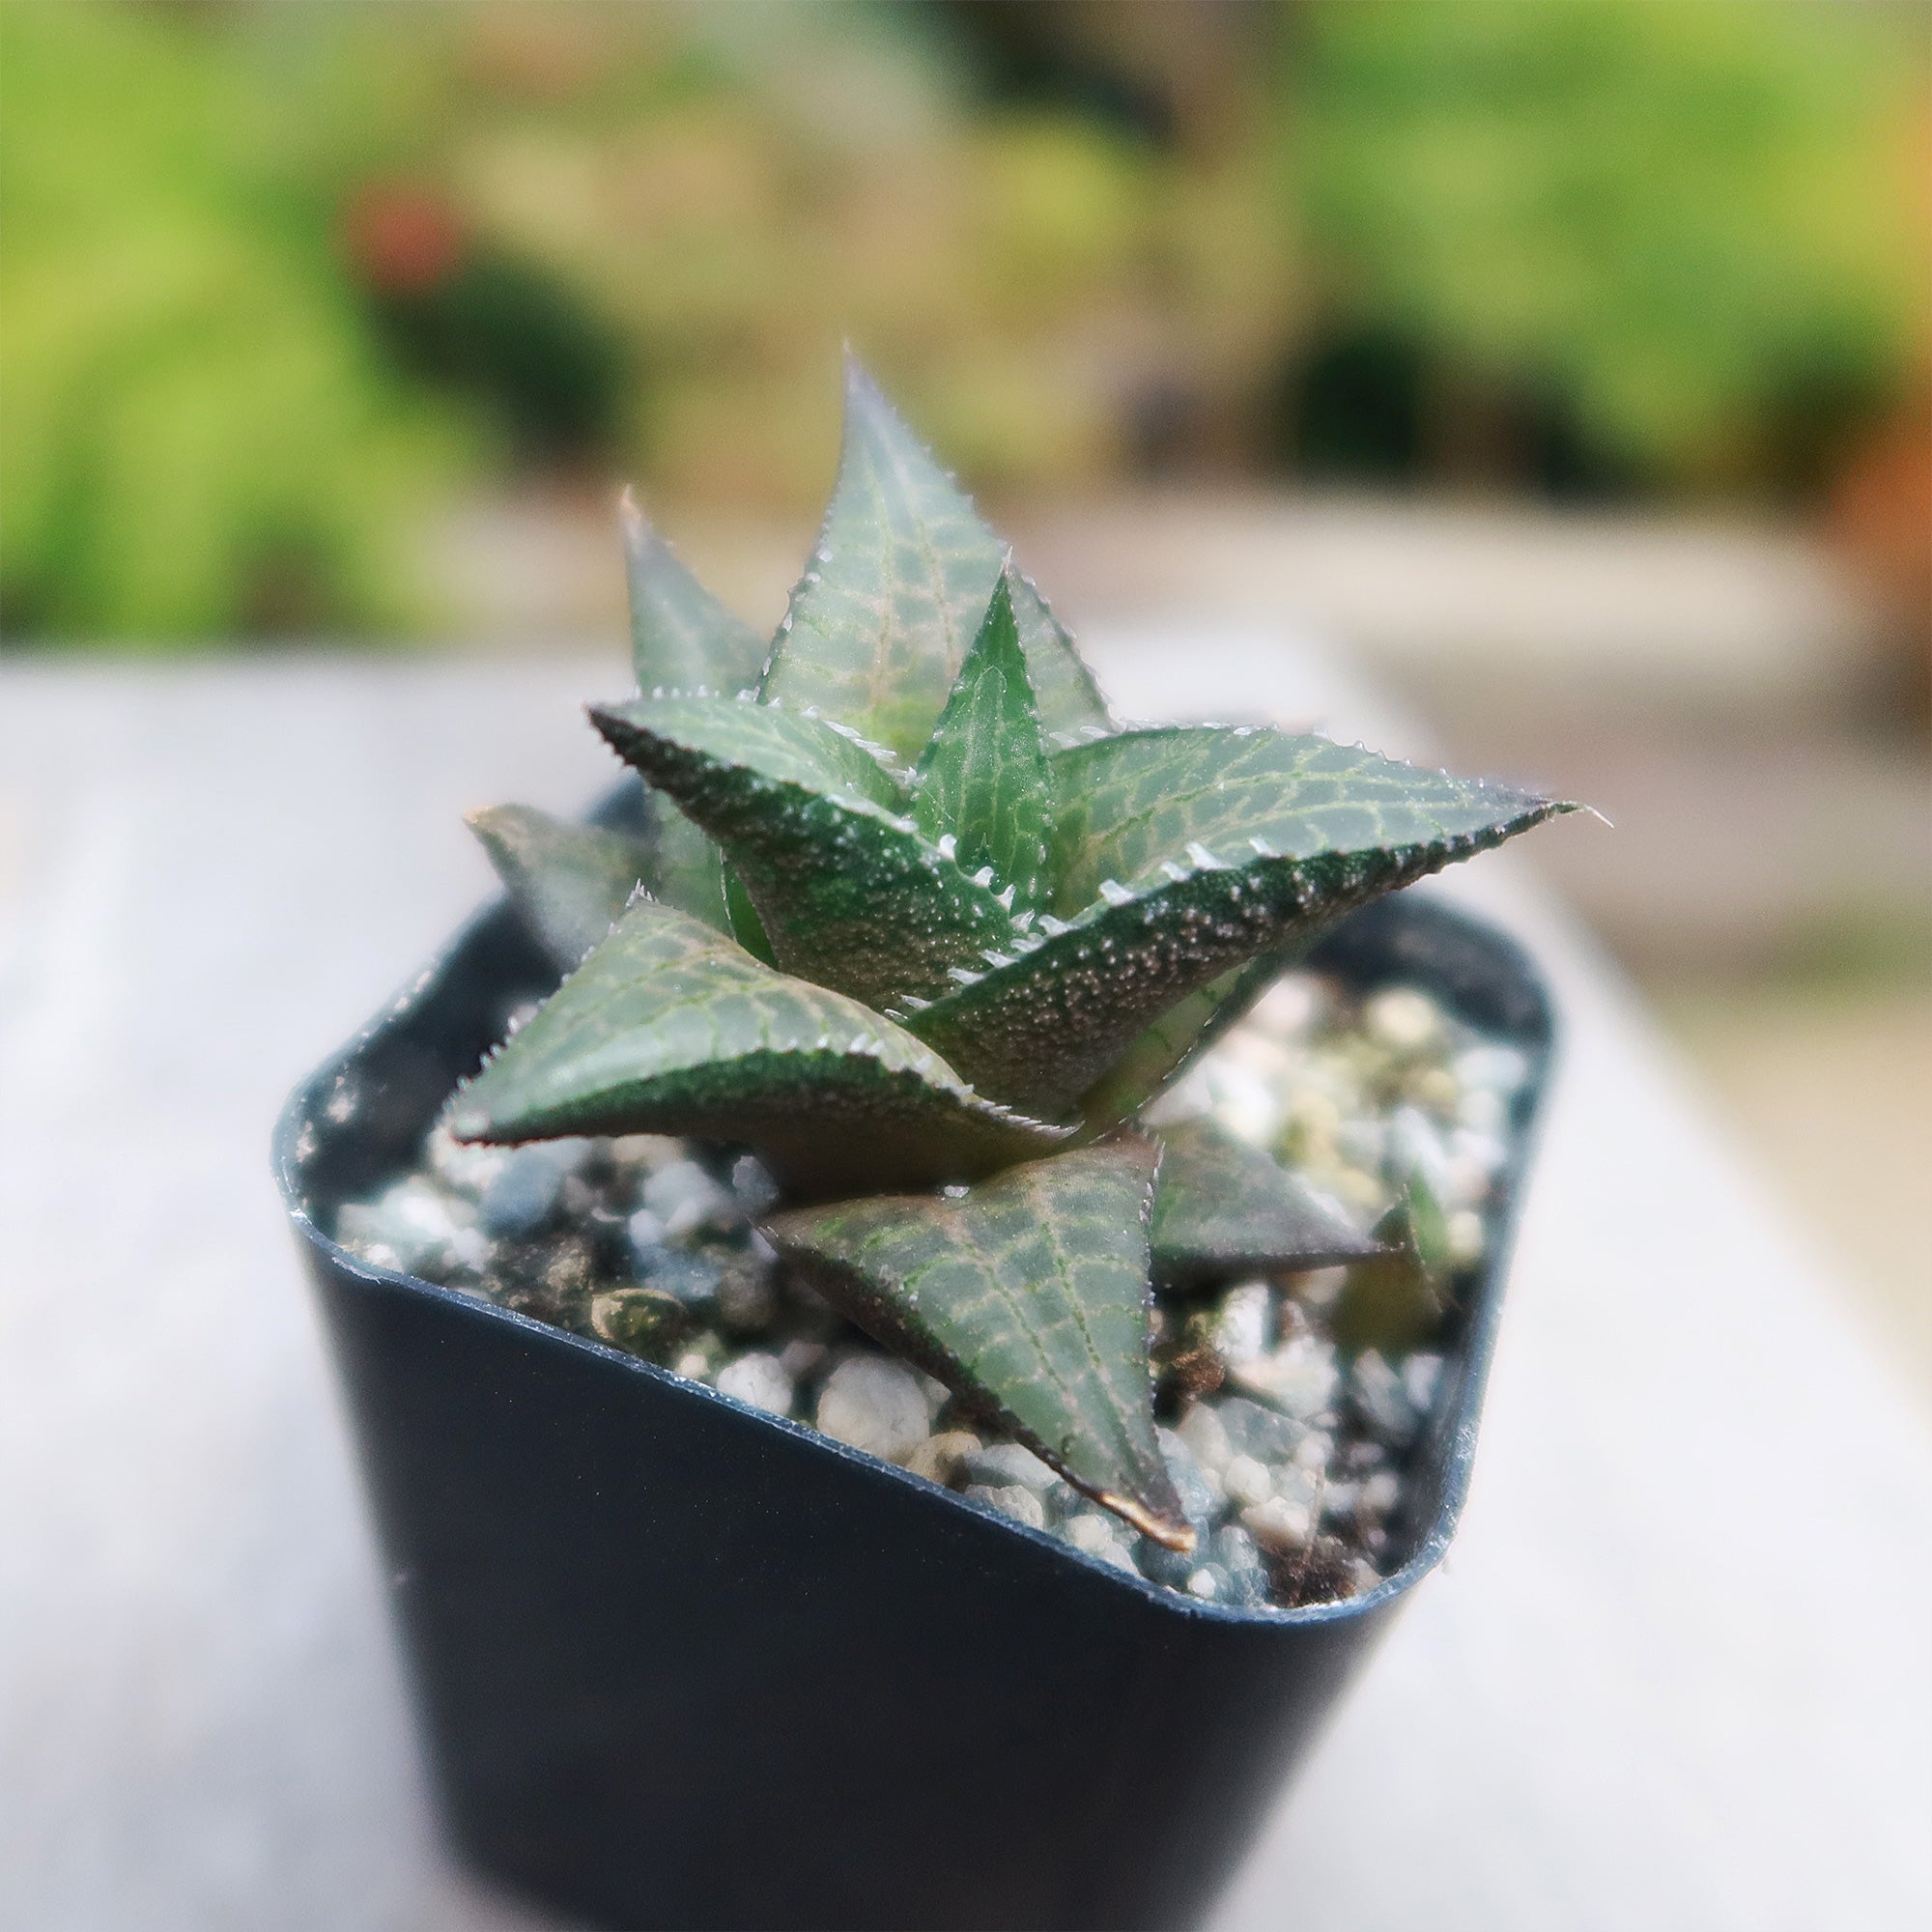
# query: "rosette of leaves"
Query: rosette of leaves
{"points": [[918, 921]]}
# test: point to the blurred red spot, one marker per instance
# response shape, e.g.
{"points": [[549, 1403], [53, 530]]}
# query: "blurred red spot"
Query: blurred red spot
{"points": [[403, 239]]}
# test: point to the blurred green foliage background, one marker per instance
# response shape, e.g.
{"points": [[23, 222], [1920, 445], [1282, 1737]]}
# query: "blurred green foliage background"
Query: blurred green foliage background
{"points": [[278, 282]]}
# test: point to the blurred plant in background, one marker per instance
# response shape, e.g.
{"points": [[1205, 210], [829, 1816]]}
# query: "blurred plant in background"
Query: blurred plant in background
{"points": [[282, 282], [1640, 244], [200, 438]]}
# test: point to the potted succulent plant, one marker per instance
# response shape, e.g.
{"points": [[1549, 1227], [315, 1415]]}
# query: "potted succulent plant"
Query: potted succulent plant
{"points": [[866, 1425]]}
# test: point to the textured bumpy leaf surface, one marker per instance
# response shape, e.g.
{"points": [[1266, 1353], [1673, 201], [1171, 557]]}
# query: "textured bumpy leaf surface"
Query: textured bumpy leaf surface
{"points": [[1164, 1049], [669, 1027], [682, 638], [984, 776], [1028, 1297], [1224, 1208], [851, 894], [570, 882], [1188, 851], [904, 568]]}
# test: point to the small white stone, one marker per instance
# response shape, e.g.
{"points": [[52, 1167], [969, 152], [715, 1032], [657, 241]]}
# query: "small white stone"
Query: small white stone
{"points": [[1463, 1232], [1011, 1462], [1204, 1584], [759, 1380], [1318, 1288], [694, 1365], [1279, 1524], [1247, 1482], [1298, 1378], [649, 1151], [684, 1197], [1401, 1018], [1205, 1434], [1010, 1500], [873, 1404], [467, 1166], [1241, 1325], [1420, 1375], [1089, 1533], [1381, 1492]]}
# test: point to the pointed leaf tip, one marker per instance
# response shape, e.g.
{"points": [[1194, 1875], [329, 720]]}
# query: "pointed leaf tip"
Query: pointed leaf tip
{"points": [[985, 779], [1224, 1209], [874, 635], [570, 882], [1027, 1295]]}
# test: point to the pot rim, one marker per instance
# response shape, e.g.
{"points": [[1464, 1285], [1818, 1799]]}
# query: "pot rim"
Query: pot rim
{"points": [[1476, 1344]]}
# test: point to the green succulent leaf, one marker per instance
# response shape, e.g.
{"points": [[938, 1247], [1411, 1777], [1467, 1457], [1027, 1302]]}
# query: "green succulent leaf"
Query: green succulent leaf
{"points": [[983, 778], [1396, 1301], [879, 624], [1223, 1207], [682, 638], [670, 1027], [1167, 1048], [743, 923], [849, 891], [570, 882], [1199, 848], [1028, 1297]]}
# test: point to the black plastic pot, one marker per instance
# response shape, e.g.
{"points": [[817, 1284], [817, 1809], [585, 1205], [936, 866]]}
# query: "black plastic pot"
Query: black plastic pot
{"points": [[682, 1664]]}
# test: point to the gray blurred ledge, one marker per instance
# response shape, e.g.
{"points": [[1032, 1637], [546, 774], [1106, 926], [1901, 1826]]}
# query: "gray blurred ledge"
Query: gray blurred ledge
{"points": [[1676, 1672]]}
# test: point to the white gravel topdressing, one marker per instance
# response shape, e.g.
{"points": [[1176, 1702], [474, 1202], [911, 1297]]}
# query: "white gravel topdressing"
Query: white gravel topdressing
{"points": [[1289, 1451]]}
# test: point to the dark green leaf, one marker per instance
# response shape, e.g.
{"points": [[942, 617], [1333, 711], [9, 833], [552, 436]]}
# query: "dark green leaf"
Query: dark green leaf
{"points": [[1028, 1297], [983, 778], [1069, 700], [570, 882], [682, 638], [880, 624], [1167, 1048], [669, 1027], [1223, 1207], [1395, 1301], [687, 869], [849, 893], [1142, 807], [1206, 847], [745, 925]]}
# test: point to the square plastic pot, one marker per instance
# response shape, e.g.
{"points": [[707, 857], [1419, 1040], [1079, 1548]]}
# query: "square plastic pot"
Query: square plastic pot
{"points": [[683, 1664]]}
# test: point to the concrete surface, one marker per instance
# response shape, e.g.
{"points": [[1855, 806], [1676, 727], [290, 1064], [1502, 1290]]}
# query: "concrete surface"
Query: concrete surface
{"points": [[1676, 1673]]}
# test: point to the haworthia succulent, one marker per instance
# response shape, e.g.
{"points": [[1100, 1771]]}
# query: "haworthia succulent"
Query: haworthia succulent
{"points": [[570, 882], [682, 638], [984, 776], [1332, 829], [671, 1027], [1028, 1297], [1224, 1208], [1059, 930], [880, 624], [849, 891]]}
